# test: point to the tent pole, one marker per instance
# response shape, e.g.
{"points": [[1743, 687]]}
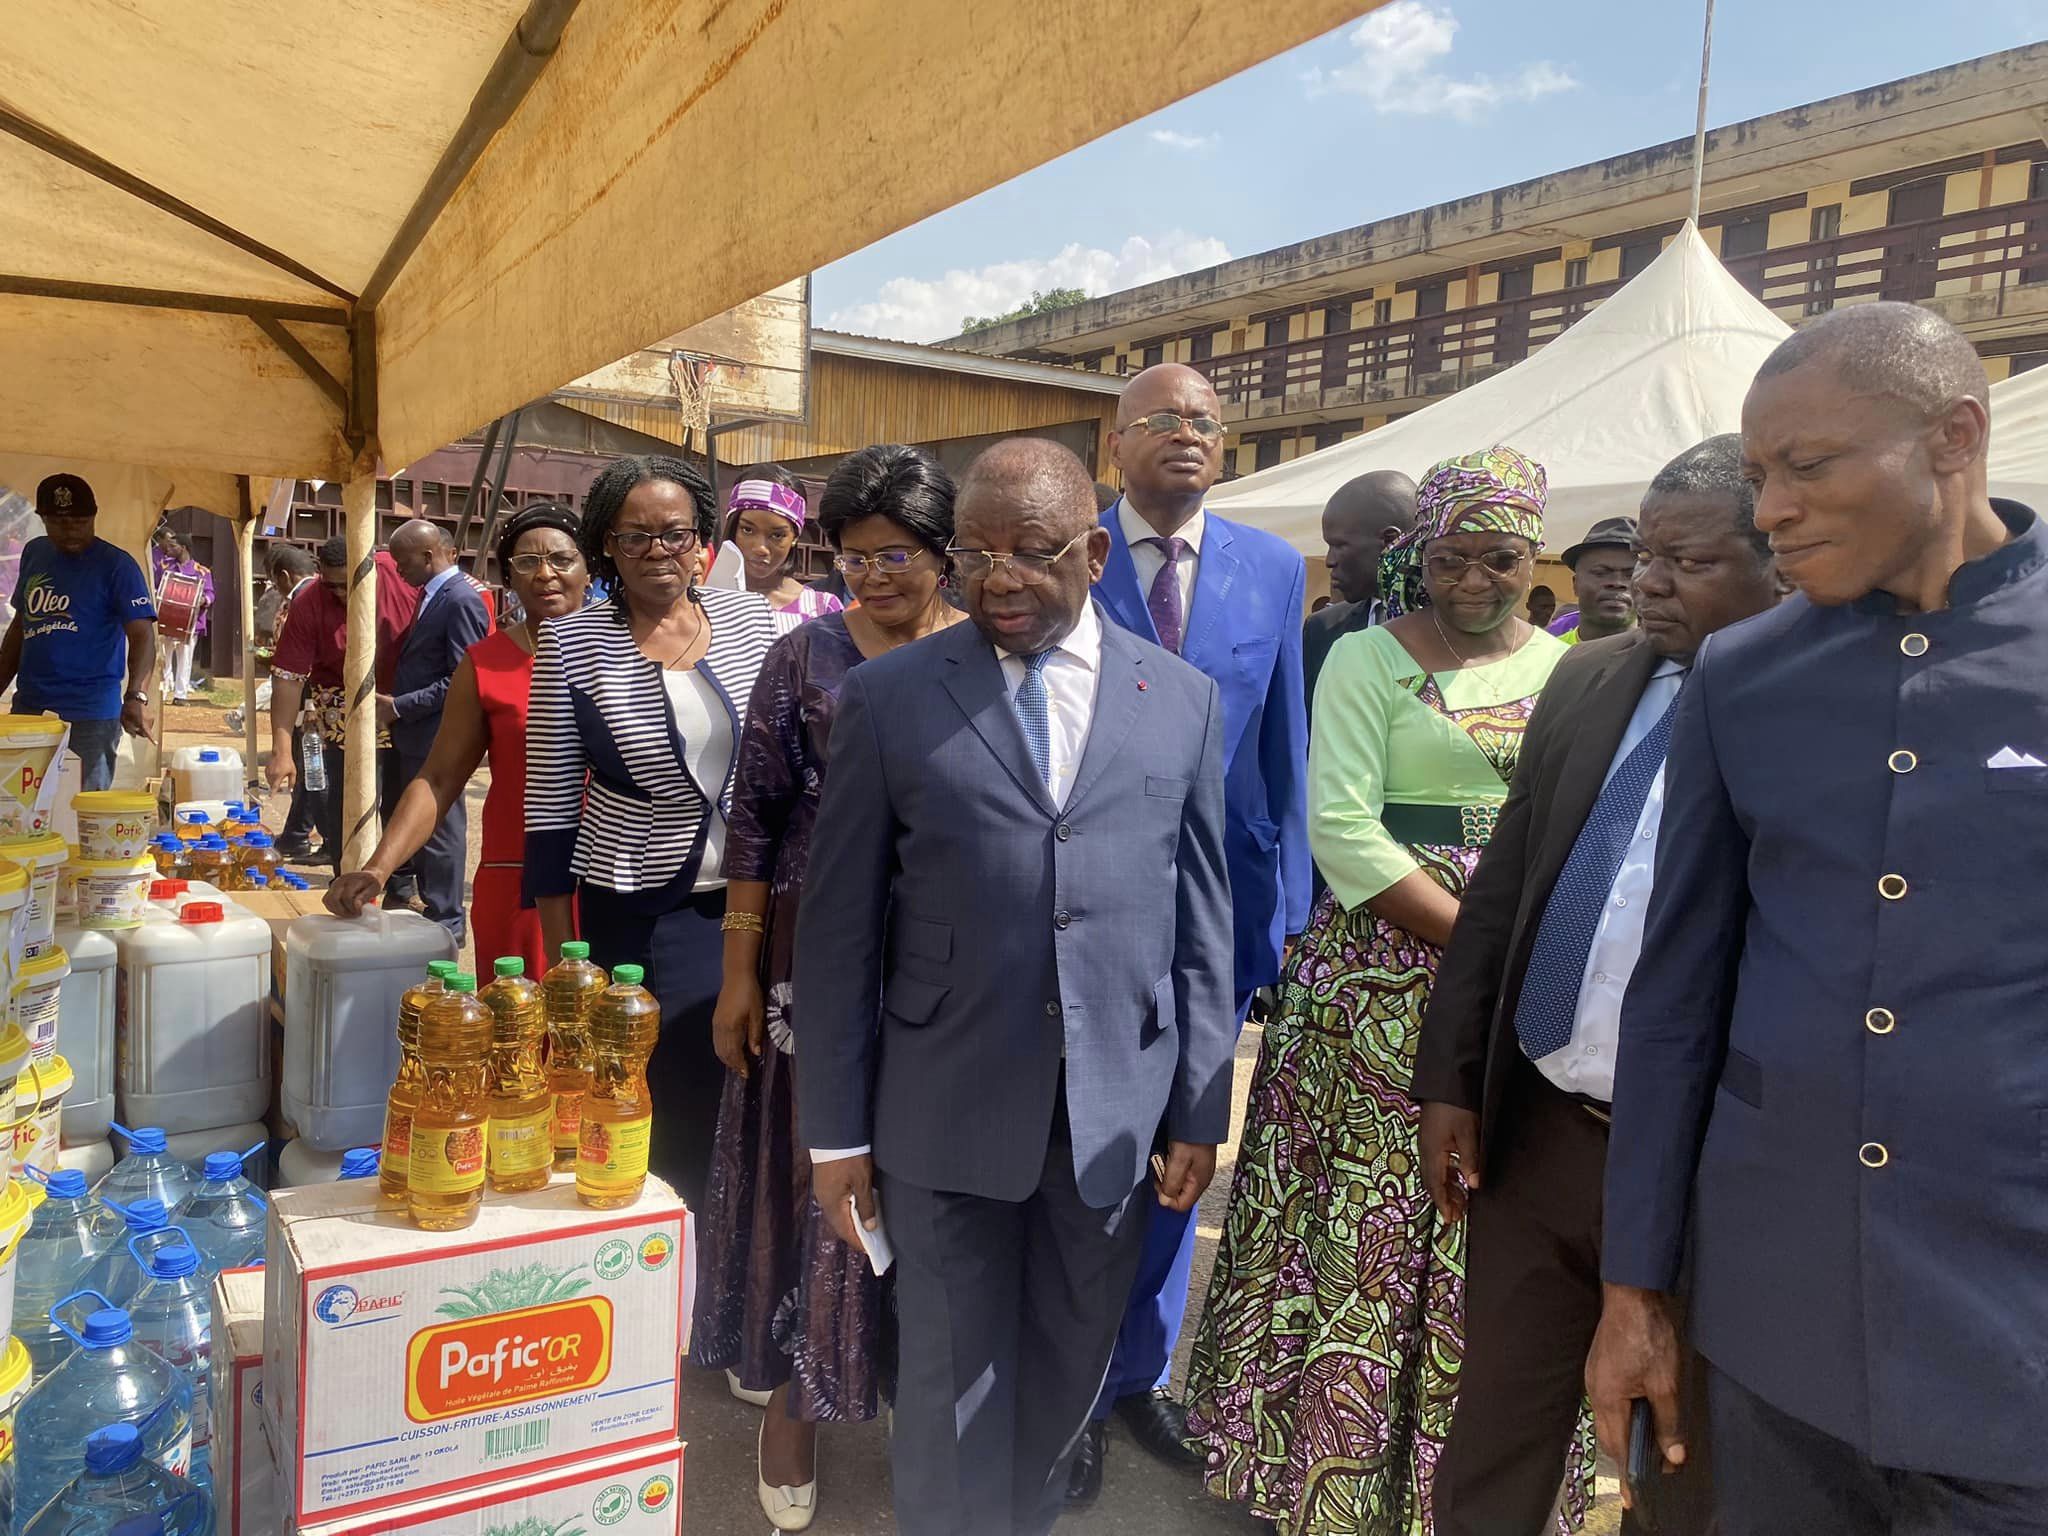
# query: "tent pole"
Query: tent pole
{"points": [[1699, 133], [358, 788], [245, 542]]}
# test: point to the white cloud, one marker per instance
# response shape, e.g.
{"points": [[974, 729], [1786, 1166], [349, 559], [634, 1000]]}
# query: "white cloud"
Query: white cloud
{"points": [[1397, 53], [1173, 139], [927, 309]]}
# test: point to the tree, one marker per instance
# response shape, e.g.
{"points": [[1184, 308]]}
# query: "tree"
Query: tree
{"points": [[1038, 304]]}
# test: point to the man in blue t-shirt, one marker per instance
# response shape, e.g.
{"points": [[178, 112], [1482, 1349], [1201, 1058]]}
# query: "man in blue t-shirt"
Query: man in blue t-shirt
{"points": [[83, 622]]}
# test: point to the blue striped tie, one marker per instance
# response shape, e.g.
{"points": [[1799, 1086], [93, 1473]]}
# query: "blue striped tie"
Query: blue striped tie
{"points": [[1035, 715]]}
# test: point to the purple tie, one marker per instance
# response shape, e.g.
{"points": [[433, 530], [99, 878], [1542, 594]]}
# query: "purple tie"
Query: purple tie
{"points": [[1163, 603]]}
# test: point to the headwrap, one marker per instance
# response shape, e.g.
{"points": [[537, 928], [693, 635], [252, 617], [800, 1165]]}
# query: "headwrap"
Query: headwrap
{"points": [[1496, 490], [767, 496], [539, 514]]}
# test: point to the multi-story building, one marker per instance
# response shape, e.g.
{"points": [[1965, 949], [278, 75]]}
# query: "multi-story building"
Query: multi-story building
{"points": [[1932, 189]]}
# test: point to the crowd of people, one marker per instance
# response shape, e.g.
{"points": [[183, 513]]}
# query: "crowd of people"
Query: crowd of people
{"points": [[1650, 994]]}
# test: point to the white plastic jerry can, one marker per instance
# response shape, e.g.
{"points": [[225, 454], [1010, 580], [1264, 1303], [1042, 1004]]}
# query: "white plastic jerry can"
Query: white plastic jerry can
{"points": [[207, 773], [193, 1028], [85, 1032], [343, 980]]}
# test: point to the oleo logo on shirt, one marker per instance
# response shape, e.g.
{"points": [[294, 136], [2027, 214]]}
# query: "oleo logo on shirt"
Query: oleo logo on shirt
{"points": [[509, 1357], [41, 599]]}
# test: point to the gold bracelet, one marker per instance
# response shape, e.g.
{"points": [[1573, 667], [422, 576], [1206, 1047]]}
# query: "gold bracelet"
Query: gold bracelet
{"points": [[741, 922]]}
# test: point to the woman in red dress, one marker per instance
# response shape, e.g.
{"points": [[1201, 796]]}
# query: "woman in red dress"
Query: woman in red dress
{"points": [[485, 715]]}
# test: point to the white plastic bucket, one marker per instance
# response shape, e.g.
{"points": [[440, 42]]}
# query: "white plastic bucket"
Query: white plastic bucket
{"points": [[113, 893], [43, 855], [18, 1075], [14, 1214], [193, 1031], [13, 917], [29, 745], [114, 824], [38, 999], [207, 773], [85, 1032], [39, 1111], [343, 980]]}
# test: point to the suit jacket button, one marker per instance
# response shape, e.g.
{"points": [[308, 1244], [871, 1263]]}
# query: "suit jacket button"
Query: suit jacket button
{"points": [[1914, 645], [1891, 887], [1879, 1021], [1872, 1154], [1063, 832], [1060, 919], [1052, 1010]]}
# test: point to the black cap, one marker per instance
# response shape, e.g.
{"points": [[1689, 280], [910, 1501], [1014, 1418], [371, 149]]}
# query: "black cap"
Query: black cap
{"points": [[65, 496], [1608, 533]]}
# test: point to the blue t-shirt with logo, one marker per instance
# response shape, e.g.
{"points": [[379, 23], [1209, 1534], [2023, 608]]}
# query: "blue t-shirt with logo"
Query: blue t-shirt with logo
{"points": [[74, 612]]}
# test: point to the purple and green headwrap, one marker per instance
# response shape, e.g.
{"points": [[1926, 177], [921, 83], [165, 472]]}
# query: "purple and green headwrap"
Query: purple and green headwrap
{"points": [[1495, 490], [767, 496]]}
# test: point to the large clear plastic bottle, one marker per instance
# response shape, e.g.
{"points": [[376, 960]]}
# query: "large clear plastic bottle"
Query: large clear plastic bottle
{"points": [[226, 1215], [214, 862], [119, 1490], [569, 989], [65, 1234], [113, 1273], [618, 1111], [522, 1145], [110, 1378], [173, 1315], [148, 1172], [445, 1166], [257, 855], [394, 1166]]}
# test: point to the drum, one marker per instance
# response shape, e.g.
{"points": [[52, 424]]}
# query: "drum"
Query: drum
{"points": [[177, 605]]}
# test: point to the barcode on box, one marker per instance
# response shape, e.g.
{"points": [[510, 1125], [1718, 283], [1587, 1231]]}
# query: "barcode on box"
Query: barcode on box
{"points": [[515, 1439]]}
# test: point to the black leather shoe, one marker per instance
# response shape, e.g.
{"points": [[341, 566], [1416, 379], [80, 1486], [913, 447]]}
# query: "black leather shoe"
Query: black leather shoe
{"points": [[1160, 1425], [1084, 1479]]}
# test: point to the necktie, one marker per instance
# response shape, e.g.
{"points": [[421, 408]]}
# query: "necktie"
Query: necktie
{"points": [[1035, 715], [1163, 602], [1557, 960]]}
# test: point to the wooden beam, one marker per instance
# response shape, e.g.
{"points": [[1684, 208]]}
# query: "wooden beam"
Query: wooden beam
{"points": [[169, 298], [360, 425], [78, 156], [309, 365]]}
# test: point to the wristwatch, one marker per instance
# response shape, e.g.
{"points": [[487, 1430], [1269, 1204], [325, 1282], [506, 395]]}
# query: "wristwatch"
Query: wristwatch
{"points": [[138, 695]]}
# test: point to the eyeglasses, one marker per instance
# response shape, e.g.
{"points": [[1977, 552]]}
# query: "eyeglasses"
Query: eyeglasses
{"points": [[561, 562], [635, 545], [890, 562], [1026, 570], [1166, 423], [1495, 562]]}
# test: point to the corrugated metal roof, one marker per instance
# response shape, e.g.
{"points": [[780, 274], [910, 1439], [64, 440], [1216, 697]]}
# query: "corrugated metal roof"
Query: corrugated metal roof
{"points": [[913, 354]]}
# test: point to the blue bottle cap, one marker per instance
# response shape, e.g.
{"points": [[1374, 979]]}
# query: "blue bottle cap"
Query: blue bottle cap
{"points": [[359, 1163], [146, 1139], [105, 1329], [147, 1215], [208, 755], [67, 1184], [194, 818], [221, 1165], [258, 839], [115, 1448], [174, 1262]]}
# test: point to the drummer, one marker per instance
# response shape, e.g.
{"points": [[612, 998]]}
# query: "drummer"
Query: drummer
{"points": [[84, 630]]}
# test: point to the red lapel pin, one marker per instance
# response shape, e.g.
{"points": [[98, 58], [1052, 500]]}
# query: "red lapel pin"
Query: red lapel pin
{"points": [[1141, 685]]}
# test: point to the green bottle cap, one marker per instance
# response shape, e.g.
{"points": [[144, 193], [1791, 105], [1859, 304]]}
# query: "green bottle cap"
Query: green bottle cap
{"points": [[441, 969], [509, 965], [462, 981], [628, 975], [575, 949]]}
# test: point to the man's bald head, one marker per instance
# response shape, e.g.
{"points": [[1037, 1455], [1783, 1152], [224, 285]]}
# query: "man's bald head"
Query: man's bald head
{"points": [[421, 550], [1037, 472], [1168, 464], [1899, 351], [1359, 521], [1166, 387], [1031, 498]]}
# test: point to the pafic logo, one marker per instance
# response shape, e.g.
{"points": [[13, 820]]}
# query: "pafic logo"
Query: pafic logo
{"points": [[508, 1357]]}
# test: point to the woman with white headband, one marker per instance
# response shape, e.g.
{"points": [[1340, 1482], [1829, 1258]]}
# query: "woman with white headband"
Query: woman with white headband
{"points": [[764, 515]]}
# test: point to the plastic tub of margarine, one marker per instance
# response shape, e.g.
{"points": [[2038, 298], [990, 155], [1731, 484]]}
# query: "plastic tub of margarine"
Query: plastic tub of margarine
{"points": [[29, 746], [114, 893], [38, 1111], [13, 914], [114, 824], [43, 855], [15, 1367], [38, 998], [14, 1214], [18, 1073]]}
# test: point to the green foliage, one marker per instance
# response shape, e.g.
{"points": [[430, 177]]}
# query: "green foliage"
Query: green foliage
{"points": [[1038, 304], [507, 1290], [534, 1526]]}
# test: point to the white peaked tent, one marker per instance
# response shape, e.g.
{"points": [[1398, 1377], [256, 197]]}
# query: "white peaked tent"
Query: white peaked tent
{"points": [[2019, 439], [1659, 366]]}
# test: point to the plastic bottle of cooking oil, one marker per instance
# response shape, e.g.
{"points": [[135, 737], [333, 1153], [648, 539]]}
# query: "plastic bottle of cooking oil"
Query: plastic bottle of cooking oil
{"points": [[445, 1165], [569, 989], [394, 1166], [618, 1113], [522, 1143]]}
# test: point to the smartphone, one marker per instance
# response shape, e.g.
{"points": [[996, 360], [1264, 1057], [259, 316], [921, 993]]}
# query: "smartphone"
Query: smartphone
{"points": [[1641, 1470]]}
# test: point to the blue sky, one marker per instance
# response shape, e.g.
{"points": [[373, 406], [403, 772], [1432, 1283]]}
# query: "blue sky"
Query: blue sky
{"points": [[1421, 101]]}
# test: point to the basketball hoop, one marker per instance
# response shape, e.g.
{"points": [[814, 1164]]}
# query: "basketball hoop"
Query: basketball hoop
{"points": [[691, 376]]}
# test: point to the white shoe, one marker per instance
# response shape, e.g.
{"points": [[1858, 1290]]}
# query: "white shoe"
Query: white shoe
{"points": [[788, 1509], [753, 1399]]}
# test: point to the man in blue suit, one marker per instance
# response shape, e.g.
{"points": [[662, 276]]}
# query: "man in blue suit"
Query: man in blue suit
{"points": [[1227, 600], [450, 619], [1011, 985]]}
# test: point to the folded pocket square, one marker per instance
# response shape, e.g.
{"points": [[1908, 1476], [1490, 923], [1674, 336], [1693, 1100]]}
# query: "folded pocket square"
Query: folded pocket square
{"points": [[2008, 757]]}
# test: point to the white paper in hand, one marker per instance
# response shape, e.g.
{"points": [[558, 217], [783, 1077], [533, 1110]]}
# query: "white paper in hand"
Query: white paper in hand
{"points": [[880, 1254], [729, 571]]}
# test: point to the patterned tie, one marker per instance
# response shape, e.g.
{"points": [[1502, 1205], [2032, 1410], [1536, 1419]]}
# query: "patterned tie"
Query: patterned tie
{"points": [[1163, 602], [1034, 714], [1557, 961]]}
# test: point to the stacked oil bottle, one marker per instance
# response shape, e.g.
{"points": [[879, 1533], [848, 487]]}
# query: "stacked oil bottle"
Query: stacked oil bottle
{"points": [[511, 1084]]}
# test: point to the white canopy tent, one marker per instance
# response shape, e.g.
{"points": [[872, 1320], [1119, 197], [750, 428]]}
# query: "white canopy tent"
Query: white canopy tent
{"points": [[1659, 366], [277, 238], [2019, 439]]}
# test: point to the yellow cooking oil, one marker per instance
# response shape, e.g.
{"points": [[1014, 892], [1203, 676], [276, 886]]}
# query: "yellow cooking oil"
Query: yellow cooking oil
{"points": [[445, 1166], [618, 1111], [569, 990], [394, 1162], [521, 1149]]}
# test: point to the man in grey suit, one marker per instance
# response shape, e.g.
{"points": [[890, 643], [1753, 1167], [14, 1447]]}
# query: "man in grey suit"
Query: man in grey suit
{"points": [[1013, 982]]}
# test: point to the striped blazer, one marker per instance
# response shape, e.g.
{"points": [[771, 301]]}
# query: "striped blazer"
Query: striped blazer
{"points": [[608, 796]]}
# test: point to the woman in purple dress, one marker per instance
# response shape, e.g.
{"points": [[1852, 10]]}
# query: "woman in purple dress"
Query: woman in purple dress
{"points": [[791, 1314]]}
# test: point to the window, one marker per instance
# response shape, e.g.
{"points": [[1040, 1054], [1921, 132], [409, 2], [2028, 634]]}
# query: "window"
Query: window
{"points": [[1336, 318], [2037, 181], [1517, 283], [1198, 347], [1917, 201], [1433, 299], [1745, 236], [1575, 272], [1826, 222], [1638, 254], [1382, 311], [1266, 452], [1155, 354], [1276, 332]]}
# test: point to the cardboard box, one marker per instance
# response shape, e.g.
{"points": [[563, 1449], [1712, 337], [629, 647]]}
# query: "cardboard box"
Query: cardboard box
{"points": [[638, 1494], [244, 1472], [402, 1365]]}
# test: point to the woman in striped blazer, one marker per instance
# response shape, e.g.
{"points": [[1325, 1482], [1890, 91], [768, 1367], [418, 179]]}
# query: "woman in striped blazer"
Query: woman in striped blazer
{"points": [[637, 706]]}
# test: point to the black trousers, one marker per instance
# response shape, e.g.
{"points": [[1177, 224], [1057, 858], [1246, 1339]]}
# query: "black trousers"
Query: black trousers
{"points": [[441, 863], [1774, 1474], [1532, 1301]]}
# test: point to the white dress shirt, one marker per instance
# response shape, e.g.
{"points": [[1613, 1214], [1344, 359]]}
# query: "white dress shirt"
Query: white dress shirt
{"points": [[1149, 557], [1586, 1064], [706, 730]]}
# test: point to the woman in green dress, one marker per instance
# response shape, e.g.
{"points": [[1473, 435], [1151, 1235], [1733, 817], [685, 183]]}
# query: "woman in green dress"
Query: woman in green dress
{"points": [[1326, 1367]]}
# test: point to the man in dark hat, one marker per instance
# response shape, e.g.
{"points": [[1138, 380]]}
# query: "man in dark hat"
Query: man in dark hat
{"points": [[84, 626], [1601, 565]]}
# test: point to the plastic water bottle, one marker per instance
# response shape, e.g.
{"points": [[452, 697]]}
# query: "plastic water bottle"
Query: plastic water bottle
{"points": [[111, 1378], [226, 1216], [314, 750], [114, 1273], [359, 1163], [64, 1236], [120, 1491], [148, 1172], [173, 1315]]}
